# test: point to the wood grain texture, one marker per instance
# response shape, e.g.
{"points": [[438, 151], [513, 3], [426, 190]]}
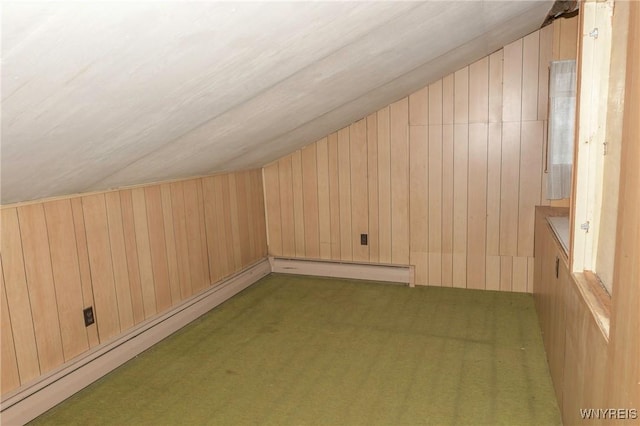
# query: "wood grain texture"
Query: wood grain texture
{"points": [[130, 254], [274, 220], [310, 201], [372, 187], [530, 68], [334, 196], [42, 292], [172, 256], [9, 376], [447, 205], [512, 82], [99, 249], [509, 188], [133, 264], [83, 263], [158, 246], [384, 186], [419, 201], [419, 107], [434, 168], [119, 259], [477, 206], [298, 203], [286, 207], [479, 91], [344, 182], [17, 294], [460, 194], [465, 197], [399, 119], [66, 276], [324, 203], [359, 190], [144, 251]]}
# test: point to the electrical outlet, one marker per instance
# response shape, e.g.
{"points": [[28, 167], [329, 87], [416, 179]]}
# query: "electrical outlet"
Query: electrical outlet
{"points": [[364, 239], [88, 316]]}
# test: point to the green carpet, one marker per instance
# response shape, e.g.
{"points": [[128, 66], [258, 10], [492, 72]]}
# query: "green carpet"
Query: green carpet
{"points": [[296, 350]]}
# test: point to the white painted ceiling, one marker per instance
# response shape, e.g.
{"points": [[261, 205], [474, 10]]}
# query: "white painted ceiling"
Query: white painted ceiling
{"points": [[97, 95]]}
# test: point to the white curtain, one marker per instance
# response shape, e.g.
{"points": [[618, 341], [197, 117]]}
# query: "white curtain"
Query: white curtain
{"points": [[562, 111]]}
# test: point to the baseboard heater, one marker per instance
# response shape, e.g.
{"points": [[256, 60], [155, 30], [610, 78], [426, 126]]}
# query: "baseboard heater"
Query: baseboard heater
{"points": [[338, 269], [28, 402]]}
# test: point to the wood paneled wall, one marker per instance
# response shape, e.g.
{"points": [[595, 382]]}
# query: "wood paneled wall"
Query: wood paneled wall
{"points": [[445, 179], [131, 254]]}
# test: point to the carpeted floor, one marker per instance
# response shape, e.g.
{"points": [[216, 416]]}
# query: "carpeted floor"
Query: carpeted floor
{"points": [[304, 351]]}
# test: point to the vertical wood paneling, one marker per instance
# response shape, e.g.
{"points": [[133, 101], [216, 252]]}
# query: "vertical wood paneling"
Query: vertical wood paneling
{"points": [[519, 281], [334, 196], [460, 181], [509, 188], [545, 56], [272, 199], [243, 220], [479, 91], [461, 96], [172, 256], [215, 244], [18, 297], [286, 207], [448, 99], [419, 107], [324, 204], [99, 247], [42, 292], [83, 262], [495, 86], [66, 277], [506, 273], [384, 186], [419, 202], [359, 191], [530, 67], [435, 103], [298, 203], [512, 82], [447, 205], [230, 236], [133, 264], [530, 179], [144, 251], [372, 187], [119, 259], [158, 247], [465, 197], [9, 376], [477, 206], [223, 224], [310, 201], [494, 172], [434, 168], [399, 121], [344, 182], [492, 273], [126, 253], [231, 195]]}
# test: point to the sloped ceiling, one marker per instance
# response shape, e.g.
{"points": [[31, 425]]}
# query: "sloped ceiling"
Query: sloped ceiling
{"points": [[98, 95]]}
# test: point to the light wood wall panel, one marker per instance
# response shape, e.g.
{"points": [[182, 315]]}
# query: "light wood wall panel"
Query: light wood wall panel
{"points": [[130, 253], [66, 276], [445, 179]]}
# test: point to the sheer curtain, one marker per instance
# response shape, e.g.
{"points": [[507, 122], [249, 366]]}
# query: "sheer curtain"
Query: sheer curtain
{"points": [[562, 110]]}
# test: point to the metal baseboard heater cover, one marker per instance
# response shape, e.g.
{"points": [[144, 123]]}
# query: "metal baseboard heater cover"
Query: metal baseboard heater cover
{"points": [[28, 402], [351, 270]]}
